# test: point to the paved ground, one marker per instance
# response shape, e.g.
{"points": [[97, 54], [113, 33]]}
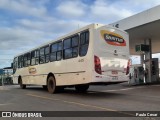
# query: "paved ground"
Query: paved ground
{"points": [[120, 97]]}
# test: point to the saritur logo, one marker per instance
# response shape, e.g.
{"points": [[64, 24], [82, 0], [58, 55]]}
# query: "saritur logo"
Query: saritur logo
{"points": [[113, 38], [32, 70]]}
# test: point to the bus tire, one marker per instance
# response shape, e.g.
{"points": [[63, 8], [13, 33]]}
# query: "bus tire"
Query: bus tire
{"points": [[22, 86], [51, 85], [82, 88]]}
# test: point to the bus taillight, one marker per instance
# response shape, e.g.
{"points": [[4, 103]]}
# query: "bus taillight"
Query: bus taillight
{"points": [[97, 64]]}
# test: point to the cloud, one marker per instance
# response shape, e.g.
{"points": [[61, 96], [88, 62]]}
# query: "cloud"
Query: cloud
{"points": [[144, 3], [28, 34], [102, 11], [33, 22], [96, 11], [70, 9], [53, 26], [24, 7], [17, 38], [31, 34]]}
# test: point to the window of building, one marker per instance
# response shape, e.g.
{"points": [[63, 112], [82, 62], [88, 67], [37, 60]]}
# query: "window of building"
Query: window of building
{"points": [[84, 43], [70, 47], [56, 51]]}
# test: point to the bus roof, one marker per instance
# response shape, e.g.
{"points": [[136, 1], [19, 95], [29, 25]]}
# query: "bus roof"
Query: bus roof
{"points": [[91, 26]]}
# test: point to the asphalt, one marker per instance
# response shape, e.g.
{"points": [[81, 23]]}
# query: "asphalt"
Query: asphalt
{"points": [[113, 98]]}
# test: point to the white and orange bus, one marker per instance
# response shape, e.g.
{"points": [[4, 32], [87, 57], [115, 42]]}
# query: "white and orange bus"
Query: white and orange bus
{"points": [[95, 54]]}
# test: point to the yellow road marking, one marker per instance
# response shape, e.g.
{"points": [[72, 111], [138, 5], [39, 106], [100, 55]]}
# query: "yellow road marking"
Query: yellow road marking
{"points": [[81, 104]]}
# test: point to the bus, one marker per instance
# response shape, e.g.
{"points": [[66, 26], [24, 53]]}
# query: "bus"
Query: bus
{"points": [[93, 55]]}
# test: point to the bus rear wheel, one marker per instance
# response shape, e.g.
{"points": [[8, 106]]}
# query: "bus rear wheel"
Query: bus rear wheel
{"points": [[51, 85], [21, 84], [82, 88]]}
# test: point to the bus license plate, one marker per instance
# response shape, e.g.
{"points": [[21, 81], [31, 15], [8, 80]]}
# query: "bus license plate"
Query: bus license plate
{"points": [[114, 78]]}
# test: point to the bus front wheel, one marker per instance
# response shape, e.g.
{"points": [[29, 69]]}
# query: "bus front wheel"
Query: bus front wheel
{"points": [[82, 88], [51, 85], [21, 84]]}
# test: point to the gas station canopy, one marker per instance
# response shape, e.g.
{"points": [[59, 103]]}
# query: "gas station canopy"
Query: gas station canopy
{"points": [[142, 26]]}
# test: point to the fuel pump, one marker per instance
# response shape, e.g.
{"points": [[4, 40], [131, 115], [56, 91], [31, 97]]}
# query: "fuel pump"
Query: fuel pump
{"points": [[155, 70], [136, 74], [151, 65]]}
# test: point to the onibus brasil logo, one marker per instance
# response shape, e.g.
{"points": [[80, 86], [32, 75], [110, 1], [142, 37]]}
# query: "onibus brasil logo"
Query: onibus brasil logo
{"points": [[113, 38]]}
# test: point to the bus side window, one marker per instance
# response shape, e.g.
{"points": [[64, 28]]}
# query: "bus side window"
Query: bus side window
{"points": [[56, 51], [15, 64], [70, 47], [42, 58], [75, 42], [33, 59], [37, 57], [59, 51], [20, 61], [27, 59], [46, 51], [22, 65], [84, 42]]}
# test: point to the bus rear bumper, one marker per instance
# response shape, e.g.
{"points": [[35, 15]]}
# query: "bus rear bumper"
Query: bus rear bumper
{"points": [[110, 79]]}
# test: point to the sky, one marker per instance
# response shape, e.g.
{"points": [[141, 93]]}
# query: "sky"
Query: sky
{"points": [[25, 24]]}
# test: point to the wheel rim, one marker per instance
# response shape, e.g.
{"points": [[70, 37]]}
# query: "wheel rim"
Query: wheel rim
{"points": [[51, 84]]}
